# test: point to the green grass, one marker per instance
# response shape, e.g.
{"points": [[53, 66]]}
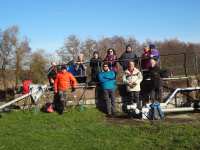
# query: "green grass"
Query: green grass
{"points": [[91, 130]]}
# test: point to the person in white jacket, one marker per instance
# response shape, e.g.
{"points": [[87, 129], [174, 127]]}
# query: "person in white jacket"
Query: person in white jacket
{"points": [[132, 78]]}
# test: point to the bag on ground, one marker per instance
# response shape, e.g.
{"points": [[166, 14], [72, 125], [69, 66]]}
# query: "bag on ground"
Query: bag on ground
{"points": [[156, 112], [48, 107]]}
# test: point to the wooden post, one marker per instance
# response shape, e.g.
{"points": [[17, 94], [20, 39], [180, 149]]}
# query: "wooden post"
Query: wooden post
{"points": [[185, 68]]}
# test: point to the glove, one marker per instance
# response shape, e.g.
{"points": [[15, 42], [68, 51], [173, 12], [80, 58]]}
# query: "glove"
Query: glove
{"points": [[73, 89]]}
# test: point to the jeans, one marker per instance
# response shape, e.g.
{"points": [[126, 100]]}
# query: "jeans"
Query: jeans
{"points": [[156, 94], [109, 96]]}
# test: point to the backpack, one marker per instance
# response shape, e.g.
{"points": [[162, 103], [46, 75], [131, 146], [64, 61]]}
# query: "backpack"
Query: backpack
{"points": [[48, 107], [155, 112], [26, 86]]}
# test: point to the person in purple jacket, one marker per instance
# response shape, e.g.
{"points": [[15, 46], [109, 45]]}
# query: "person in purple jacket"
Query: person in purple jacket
{"points": [[154, 52], [149, 52]]}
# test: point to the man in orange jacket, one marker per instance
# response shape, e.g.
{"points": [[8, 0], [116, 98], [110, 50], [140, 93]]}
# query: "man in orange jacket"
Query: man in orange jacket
{"points": [[64, 80]]}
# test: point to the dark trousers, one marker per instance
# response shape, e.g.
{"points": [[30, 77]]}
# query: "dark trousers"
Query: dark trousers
{"points": [[109, 96], [94, 77], [156, 94], [134, 97], [60, 100]]}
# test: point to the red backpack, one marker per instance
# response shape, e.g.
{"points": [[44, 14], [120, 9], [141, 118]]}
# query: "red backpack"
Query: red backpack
{"points": [[48, 107], [26, 86]]}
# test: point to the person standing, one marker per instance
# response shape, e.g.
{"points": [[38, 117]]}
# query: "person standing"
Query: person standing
{"points": [[132, 78], [52, 73], [128, 55], [108, 84], [111, 59], [149, 52], [156, 81], [154, 52], [95, 64], [63, 81], [145, 58]]}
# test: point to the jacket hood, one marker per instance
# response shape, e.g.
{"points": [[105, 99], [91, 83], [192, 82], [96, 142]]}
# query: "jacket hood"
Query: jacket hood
{"points": [[135, 71]]}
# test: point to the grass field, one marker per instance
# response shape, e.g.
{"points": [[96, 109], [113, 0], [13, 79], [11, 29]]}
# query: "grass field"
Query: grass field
{"points": [[90, 129]]}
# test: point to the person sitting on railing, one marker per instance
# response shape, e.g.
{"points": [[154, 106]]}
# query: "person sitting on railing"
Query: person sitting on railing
{"points": [[78, 69], [128, 55], [95, 64], [132, 78], [79, 66], [111, 59]]}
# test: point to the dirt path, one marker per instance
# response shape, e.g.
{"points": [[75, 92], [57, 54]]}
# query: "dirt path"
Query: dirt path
{"points": [[183, 118]]}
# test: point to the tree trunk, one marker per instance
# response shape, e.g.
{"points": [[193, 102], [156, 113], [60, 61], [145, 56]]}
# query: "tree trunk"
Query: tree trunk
{"points": [[4, 78]]}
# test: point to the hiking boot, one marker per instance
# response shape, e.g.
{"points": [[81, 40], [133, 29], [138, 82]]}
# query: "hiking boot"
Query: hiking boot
{"points": [[109, 116]]}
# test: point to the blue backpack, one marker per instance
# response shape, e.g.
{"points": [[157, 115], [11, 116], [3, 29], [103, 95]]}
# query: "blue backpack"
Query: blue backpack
{"points": [[155, 112]]}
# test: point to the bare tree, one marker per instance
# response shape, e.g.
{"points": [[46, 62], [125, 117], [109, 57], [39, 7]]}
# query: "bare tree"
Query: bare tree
{"points": [[7, 50], [63, 54], [22, 52], [103, 45], [88, 47], [135, 45], [70, 49], [118, 43], [53, 57], [38, 66]]}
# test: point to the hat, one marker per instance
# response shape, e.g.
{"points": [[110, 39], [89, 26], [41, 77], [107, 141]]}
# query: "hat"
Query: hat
{"points": [[152, 46], [129, 45], [63, 67]]}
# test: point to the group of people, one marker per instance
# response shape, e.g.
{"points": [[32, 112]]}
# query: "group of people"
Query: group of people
{"points": [[104, 72], [150, 51]]}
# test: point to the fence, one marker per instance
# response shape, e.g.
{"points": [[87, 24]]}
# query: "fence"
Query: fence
{"points": [[181, 64]]}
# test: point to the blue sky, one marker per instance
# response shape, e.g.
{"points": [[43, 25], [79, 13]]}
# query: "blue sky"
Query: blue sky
{"points": [[48, 22]]}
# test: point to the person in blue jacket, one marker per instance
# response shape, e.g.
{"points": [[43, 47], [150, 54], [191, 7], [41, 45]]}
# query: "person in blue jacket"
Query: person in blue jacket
{"points": [[108, 83]]}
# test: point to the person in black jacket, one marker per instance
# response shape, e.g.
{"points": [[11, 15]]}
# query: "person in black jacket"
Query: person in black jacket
{"points": [[128, 55], [156, 81], [95, 64], [52, 72]]}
